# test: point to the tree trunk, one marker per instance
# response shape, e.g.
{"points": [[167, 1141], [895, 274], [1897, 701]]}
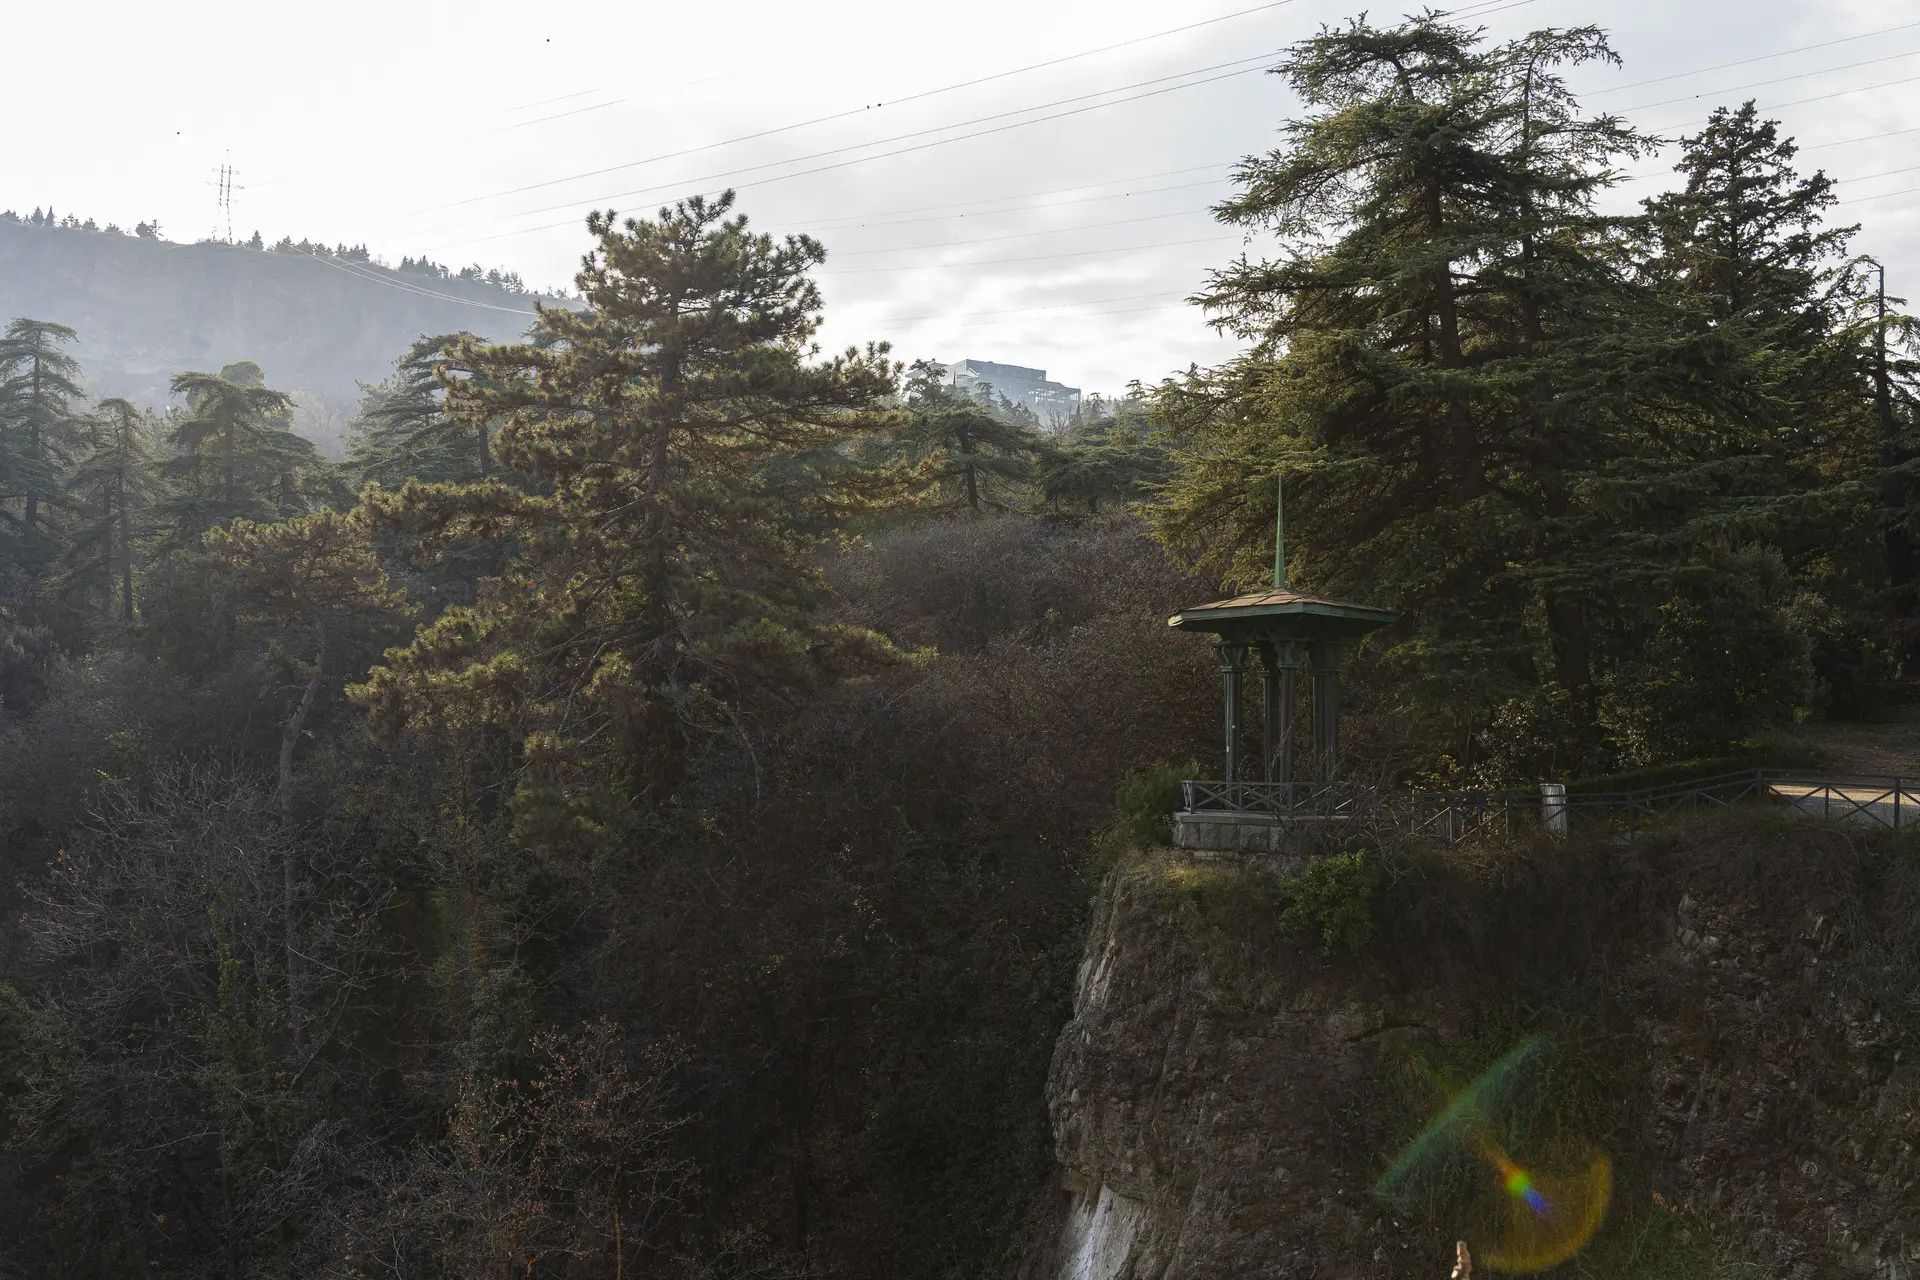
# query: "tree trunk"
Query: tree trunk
{"points": [[799, 1141], [486, 454], [296, 723], [226, 470], [657, 751], [1444, 306], [33, 445], [1567, 624], [126, 555], [965, 442]]}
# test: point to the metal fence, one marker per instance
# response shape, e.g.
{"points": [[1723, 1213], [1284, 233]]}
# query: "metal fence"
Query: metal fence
{"points": [[1889, 802]]}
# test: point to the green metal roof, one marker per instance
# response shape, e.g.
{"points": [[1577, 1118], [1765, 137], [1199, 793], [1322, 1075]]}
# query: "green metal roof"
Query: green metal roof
{"points": [[1283, 615]]}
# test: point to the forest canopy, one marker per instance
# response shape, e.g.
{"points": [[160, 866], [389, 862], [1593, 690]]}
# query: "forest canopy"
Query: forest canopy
{"points": [[635, 812]]}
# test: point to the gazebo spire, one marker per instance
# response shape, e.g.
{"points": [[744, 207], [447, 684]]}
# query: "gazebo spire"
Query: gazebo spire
{"points": [[1279, 533]]}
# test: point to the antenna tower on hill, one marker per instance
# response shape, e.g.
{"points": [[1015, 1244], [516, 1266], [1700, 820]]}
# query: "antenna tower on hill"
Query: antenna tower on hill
{"points": [[224, 185]]}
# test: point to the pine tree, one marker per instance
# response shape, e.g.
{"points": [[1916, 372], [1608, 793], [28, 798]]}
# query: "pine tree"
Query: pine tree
{"points": [[38, 383], [108, 489], [304, 578], [663, 565], [972, 453]]}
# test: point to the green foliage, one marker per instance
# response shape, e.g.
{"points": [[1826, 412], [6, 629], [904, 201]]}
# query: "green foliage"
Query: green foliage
{"points": [[38, 382], [967, 453], [1616, 472], [1573, 450], [664, 569], [1330, 901], [108, 490], [1145, 804], [234, 456], [403, 432], [1105, 461]]}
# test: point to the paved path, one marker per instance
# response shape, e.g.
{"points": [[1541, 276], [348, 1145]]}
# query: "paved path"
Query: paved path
{"points": [[1880, 806]]}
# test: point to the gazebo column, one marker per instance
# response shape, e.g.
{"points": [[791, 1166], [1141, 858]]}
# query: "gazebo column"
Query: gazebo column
{"points": [[1233, 662], [1327, 660], [1279, 662]]}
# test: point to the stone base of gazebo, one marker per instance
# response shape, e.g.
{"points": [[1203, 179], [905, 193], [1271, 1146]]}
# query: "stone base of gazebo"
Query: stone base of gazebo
{"points": [[1222, 831]]}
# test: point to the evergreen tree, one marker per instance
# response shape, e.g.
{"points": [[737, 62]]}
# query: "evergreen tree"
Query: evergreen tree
{"points": [[1741, 251], [663, 568], [1744, 241], [970, 455], [403, 432], [304, 578], [38, 383], [107, 489], [235, 455], [1448, 358], [1105, 462]]}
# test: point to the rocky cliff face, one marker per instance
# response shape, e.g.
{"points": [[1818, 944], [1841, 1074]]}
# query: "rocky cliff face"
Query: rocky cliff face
{"points": [[1734, 1009]]}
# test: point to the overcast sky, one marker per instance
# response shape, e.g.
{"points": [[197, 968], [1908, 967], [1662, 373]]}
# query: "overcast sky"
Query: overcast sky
{"points": [[482, 131]]}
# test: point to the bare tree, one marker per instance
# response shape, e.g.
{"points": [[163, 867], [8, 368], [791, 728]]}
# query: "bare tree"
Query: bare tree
{"points": [[180, 1111], [565, 1173]]}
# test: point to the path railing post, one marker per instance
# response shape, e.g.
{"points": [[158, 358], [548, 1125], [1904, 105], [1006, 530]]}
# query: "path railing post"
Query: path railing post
{"points": [[1553, 807]]}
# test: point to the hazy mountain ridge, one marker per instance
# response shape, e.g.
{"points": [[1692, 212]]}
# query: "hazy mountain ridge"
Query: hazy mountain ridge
{"points": [[146, 309]]}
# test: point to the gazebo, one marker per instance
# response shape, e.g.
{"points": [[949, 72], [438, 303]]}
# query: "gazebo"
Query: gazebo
{"points": [[1291, 633]]}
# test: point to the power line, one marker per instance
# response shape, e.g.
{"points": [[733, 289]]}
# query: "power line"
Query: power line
{"points": [[1118, 311], [1855, 177], [1760, 84], [1025, 235], [1818, 146], [899, 137], [547, 102], [1019, 124], [1904, 191], [1476, 10], [1764, 57], [409, 287], [648, 192], [856, 219], [1007, 311], [1043, 257], [1847, 142], [842, 115], [1797, 102], [558, 115]]}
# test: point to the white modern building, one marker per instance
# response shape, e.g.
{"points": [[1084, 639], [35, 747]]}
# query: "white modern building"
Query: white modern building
{"points": [[1054, 404]]}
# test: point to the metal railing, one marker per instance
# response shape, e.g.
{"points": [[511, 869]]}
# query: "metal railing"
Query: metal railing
{"points": [[1883, 801], [1276, 798]]}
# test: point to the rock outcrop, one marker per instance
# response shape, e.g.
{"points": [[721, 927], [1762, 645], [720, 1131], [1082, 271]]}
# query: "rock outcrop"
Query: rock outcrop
{"points": [[1734, 1008]]}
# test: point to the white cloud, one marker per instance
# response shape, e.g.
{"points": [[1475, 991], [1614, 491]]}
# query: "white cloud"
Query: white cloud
{"points": [[367, 122]]}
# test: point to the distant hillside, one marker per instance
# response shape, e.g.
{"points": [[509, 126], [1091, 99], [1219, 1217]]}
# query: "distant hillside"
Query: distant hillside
{"points": [[318, 323]]}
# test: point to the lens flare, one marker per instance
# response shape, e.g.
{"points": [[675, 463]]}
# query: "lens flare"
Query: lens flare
{"points": [[1521, 1214], [1536, 1219]]}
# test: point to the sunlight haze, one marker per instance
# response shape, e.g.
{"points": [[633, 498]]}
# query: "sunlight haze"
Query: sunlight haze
{"points": [[1067, 244]]}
